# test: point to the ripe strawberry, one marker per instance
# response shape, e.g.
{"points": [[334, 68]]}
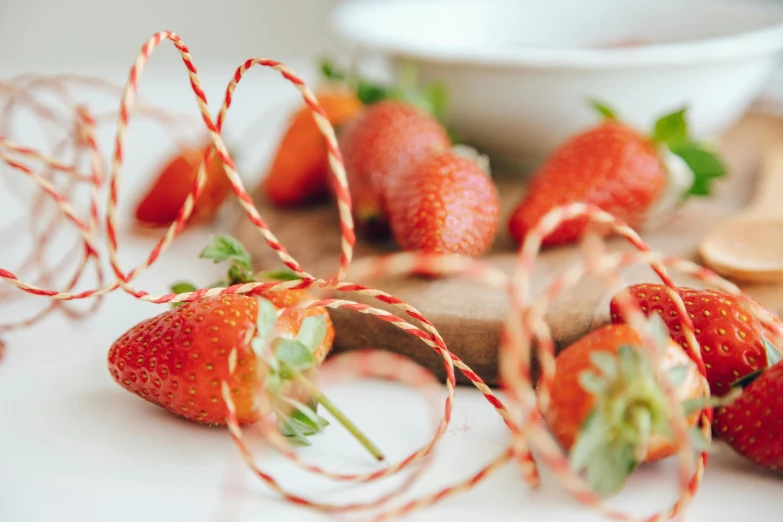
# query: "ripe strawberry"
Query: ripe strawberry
{"points": [[299, 173], [178, 359], [607, 407], [447, 203], [613, 166], [733, 342], [753, 424], [385, 140], [161, 203]]}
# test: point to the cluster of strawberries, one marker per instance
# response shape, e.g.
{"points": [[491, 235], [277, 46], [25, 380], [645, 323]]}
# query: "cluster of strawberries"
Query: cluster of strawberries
{"points": [[405, 177], [608, 409], [408, 180], [606, 405]]}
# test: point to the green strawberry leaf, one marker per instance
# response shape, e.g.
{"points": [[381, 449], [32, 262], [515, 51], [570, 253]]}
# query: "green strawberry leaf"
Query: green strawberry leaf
{"points": [[369, 93], [312, 332], [306, 416], [592, 383], [678, 374], [291, 428], [773, 354], [590, 438], [747, 380], [437, 98], [431, 99], [273, 381], [237, 274], [631, 363], [672, 129], [293, 356], [606, 362], [265, 325], [695, 404], [604, 110], [607, 462], [226, 248], [299, 426], [329, 71], [613, 465], [705, 165], [183, 287], [660, 332], [285, 274]]}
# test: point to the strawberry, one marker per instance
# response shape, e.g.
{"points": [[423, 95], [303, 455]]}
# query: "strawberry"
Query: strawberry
{"points": [[752, 425], [447, 203], [638, 178], [733, 342], [299, 172], [178, 359], [161, 203], [607, 407], [385, 140]]}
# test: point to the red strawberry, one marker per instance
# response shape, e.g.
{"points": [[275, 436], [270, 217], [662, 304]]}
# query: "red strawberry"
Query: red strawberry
{"points": [[621, 171], [753, 424], [178, 359], [385, 140], [299, 172], [607, 407], [445, 204], [161, 203], [733, 342]]}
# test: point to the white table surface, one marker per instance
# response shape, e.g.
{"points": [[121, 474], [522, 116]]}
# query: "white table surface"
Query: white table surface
{"points": [[76, 447]]}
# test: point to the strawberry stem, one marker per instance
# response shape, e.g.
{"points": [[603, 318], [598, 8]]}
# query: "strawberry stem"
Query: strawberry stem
{"points": [[324, 401]]}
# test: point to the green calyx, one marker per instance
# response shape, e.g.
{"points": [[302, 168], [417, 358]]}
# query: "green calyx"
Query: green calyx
{"points": [[432, 98], [224, 248], [630, 413], [295, 398], [292, 364], [295, 409], [671, 131]]}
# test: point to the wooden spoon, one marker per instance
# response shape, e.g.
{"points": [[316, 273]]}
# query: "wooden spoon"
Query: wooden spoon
{"points": [[749, 246]]}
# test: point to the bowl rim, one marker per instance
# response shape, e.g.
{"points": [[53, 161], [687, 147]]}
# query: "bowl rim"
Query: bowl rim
{"points": [[746, 44]]}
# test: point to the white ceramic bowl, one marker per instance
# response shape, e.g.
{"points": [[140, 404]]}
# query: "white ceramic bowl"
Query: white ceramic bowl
{"points": [[520, 72]]}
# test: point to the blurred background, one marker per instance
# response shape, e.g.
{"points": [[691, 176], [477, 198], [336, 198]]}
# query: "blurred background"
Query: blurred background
{"points": [[88, 32], [102, 37], [84, 33]]}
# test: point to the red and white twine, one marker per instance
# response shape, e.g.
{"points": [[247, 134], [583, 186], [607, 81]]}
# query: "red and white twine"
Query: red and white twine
{"points": [[525, 333]]}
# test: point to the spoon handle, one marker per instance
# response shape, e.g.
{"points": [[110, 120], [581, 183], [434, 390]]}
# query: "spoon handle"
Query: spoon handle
{"points": [[768, 200]]}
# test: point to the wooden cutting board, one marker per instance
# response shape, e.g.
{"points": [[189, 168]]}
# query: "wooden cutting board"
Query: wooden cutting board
{"points": [[467, 316]]}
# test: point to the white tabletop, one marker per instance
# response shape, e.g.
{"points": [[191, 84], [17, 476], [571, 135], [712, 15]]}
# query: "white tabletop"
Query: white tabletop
{"points": [[76, 447]]}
